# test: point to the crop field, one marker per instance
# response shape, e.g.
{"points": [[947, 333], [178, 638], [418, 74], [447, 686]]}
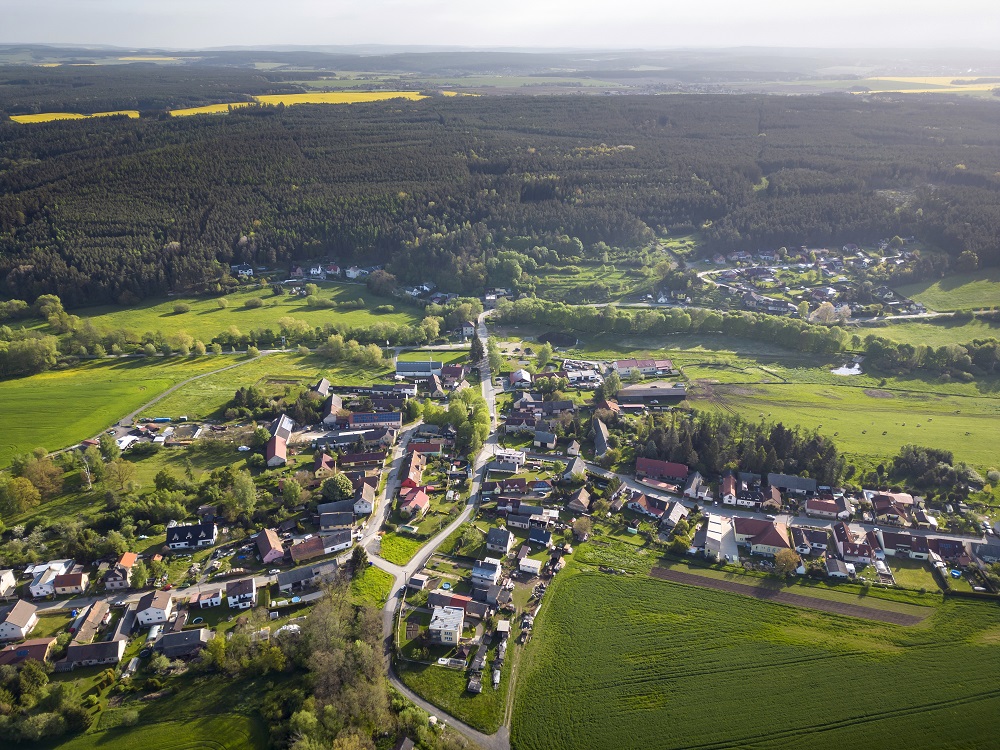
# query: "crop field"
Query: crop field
{"points": [[206, 319], [868, 421], [628, 662], [58, 409], [960, 291], [317, 97], [52, 116], [226, 732], [399, 549], [273, 372]]}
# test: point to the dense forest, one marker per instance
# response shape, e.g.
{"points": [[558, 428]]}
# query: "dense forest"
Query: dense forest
{"points": [[114, 210]]}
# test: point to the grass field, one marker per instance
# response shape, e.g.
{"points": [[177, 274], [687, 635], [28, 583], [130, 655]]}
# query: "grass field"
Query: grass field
{"points": [[52, 116], [226, 732], [399, 549], [444, 356], [208, 396], [636, 663], [372, 587], [960, 291], [446, 688], [934, 333], [205, 319], [57, 409]]}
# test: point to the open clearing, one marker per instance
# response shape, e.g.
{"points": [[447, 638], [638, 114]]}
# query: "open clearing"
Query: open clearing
{"points": [[629, 662], [225, 732], [786, 597], [960, 291], [57, 409]]}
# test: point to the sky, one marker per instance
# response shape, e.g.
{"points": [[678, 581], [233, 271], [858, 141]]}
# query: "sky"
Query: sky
{"points": [[649, 24]]}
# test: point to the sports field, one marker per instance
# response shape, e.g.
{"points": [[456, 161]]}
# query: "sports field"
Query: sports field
{"points": [[631, 662], [960, 291], [206, 319], [56, 409]]}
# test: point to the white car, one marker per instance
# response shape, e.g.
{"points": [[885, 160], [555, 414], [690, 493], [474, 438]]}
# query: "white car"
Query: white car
{"points": [[273, 572], [243, 448]]}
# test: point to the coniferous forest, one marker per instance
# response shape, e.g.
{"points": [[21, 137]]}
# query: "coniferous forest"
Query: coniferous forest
{"points": [[114, 210]]}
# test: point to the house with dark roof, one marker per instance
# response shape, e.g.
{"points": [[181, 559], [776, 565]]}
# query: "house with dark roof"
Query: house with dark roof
{"points": [[540, 537], [601, 438], [655, 395], [120, 575], [499, 540], [242, 594], [154, 608], [336, 521], [809, 541], [297, 579], [417, 369], [792, 484], [486, 571], [544, 440], [183, 643], [575, 468], [332, 408], [92, 654], [193, 536]]}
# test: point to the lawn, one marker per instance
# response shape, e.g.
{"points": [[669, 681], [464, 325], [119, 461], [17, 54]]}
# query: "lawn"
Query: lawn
{"points": [[206, 319], [913, 574], [444, 356], [373, 587], [935, 332], [58, 409], [208, 397], [221, 732], [960, 291], [667, 666], [399, 549]]}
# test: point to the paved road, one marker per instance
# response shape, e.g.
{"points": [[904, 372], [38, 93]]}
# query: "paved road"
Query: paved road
{"points": [[485, 376]]}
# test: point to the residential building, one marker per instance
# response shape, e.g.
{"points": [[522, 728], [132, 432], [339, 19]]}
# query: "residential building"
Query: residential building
{"points": [[532, 567], [92, 654], [375, 419], [837, 569], [411, 470], [414, 503], [510, 456], [364, 499], [792, 484], [282, 427], [446, 625], [851, 548], [646, 367], [575, 469], [673, 514], [276, 452], [720, 539], [828, 506], [184, 643], [579, 501], [727, 490], [332, 408], [71, 583], [337, 521], [8, 584], [269, 546], [18, 621], [119, 577], [44, 577], [544, 440], [206, 599], [809, 541], [88, 624], [18, 653], [601, 438], [763, 537], [242, 594], [486, 571], [297, 579], [658, 394], [662, 470], [155, 608], [417, 369], [499, 540], [193, 536], [540, 537], [697, 488], [520, 379]]}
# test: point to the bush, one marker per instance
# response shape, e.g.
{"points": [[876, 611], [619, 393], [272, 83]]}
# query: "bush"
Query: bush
{"points": [[181, 308], [253, 303]]}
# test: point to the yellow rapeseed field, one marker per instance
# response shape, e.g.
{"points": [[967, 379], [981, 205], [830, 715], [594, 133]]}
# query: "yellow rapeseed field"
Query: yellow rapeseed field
{"points": [[339, 97], [50, 116]]}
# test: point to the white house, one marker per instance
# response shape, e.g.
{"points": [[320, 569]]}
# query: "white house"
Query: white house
{"points": [[18, 621], [527, 565], [486, 571], [154, 608], [195, 536], [44, 581], [8, 584], [242, 594], [206, 599], [446, 625]]}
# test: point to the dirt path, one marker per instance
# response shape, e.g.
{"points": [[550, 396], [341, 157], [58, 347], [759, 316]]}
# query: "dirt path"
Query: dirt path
{"points": [[784, 597]]}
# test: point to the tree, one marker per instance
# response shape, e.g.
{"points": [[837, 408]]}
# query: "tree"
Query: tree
{"points": [[494, 355], [612, 384], [582, 527], [786, 561], [17, 496], [164, 480], [679, 545], [359, 560], [140, 574], [222, 302], [120, 474], [244, 492], [199, 348], [476, 351], [291, 493], [337, 487], [181, 307], [544, 355], [803, 308]]}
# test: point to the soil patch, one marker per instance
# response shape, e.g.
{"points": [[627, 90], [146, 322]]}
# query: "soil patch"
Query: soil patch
{"points": [[558, 339], [784, 597], [873, 393]]}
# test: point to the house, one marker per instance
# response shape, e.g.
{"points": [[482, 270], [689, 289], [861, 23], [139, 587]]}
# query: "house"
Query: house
{"points": [[762, 536], [332, 408], [206, 599], [901, 544], [243, 270], [92, 654], [8, 584], [269, 546], [71, 583], [808, 541], [544, 440], [727, 490], [310, 548], [411, 470], [282, 427], [697, 488], [887, 511], [510, 456], [662, 470], [242, 594], [486, 571], [421, 370], [18, 621], [532, 567], [36, 648], [194, 536], [376, 419], [374, 459], [579, 501], [648, 506], [452, 375], [575, 469], [827, 506], [355, 273], [296, 272], [276, 452], [573, 449], [924, 520], [540, 537], [296, 579], [414, 503], [720, 539], [154, 608], [851, 548], [646, 367], [446, 625], [120, 576], [183, 643], [44, 576], [499, 540], [601, 438], [336, 521], [364, 500], [468, 329], [673, 514], [988, 551], [792, 484], [836, 568], [86, 627]]}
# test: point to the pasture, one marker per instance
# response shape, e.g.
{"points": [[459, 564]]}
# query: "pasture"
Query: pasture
{"points": [[272, 373], [634, 663], [959, 291], [934, 332], [216, 732], [57, 409], [206, 319]]}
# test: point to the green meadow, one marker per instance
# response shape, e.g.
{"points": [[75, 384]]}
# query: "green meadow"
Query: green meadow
{"points": [[934, 332], [57, 409], [657, 664], [960, 291]]}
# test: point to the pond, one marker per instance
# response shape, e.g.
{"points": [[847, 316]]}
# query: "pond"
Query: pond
{"points": [[846, 370]]}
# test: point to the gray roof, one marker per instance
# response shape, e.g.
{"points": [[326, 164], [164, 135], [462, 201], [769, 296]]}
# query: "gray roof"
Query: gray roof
{"points": [[417, 366], [184, 641], [791, 482], [600, 437], [295, 575], [544, 437], [20, 613], [327, 520], [576, 466], [341, 506], [498, 537]]}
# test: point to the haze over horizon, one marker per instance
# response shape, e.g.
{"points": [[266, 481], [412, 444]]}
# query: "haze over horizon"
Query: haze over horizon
{"points": [[629, 24]]}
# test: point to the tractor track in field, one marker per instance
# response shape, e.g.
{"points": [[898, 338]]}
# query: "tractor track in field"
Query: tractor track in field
{"points": [[784, 597]]}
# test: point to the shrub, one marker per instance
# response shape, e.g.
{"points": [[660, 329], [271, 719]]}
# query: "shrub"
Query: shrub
{"points": [[181, 307], [253, 303]]}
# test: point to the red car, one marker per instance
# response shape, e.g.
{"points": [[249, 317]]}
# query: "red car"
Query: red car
{"points": [[168, 587]]}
